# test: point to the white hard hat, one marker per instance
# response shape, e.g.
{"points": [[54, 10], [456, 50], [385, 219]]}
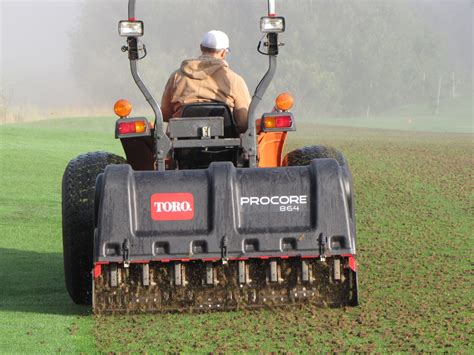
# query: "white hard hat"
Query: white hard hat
{"points": [[215, 40]]}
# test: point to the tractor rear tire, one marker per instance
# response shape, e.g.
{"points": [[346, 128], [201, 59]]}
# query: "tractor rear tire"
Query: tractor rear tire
{"points": [[78, 191], [304, 156]]}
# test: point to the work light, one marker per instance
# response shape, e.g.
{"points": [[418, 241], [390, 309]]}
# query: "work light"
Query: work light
{"points": [[130, 28], [272, 24]]}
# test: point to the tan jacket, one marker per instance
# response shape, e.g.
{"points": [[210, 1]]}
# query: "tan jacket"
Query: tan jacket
{"points": [[202, 80]]}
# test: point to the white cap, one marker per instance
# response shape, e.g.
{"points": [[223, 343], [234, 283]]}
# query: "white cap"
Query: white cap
{"points": [[215, 40]]}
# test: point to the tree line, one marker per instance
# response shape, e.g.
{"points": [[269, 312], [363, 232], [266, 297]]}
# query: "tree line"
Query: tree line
{"points": [[339, 58]]}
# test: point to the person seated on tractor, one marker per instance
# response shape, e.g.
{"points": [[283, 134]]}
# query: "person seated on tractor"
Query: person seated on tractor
{"points": [[207, 79]]}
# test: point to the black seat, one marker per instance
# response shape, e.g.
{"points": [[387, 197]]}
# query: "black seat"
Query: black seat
{"points": [[213, 109]]}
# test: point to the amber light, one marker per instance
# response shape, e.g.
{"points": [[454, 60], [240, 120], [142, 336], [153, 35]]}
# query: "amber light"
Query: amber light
{"points": [[140, 126], [269, 122], [284, 101], [122, 108], [131, 127]]}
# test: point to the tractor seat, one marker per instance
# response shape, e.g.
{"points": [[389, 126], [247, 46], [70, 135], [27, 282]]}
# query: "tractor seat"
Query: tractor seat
{"points": [[213, 109]]}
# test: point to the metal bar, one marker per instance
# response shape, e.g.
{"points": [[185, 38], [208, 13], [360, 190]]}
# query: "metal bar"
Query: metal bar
{"points": [[149, 98], [209, 273], [131, 9], [178, 281], [249, 140], [113, 275], [242, 272], [337, 269], [305, 270], [163, 143], [271, 8], [146, 274], [203, 143], [274, 271]]}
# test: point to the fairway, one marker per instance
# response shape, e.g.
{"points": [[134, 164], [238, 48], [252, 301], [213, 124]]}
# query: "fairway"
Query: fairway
{"points": [[454, 117], [414, 208]]}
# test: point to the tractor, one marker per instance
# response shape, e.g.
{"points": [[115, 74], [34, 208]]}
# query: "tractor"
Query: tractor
{"points": [[199, 217]]}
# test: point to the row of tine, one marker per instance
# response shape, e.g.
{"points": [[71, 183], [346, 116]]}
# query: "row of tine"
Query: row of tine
{"points": [[274, 273]]}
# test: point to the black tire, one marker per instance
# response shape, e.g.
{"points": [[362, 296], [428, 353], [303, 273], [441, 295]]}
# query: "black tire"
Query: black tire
{"points": [[78, 191], [304, 156]]}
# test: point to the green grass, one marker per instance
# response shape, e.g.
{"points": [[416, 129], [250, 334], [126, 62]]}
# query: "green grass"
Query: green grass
{"points": [[36, 314], [414, 214], [455, 116]]}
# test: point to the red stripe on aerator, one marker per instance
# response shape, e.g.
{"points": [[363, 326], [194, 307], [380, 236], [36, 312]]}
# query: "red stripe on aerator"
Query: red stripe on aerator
{"points": [[97, 270], [352, 263]]}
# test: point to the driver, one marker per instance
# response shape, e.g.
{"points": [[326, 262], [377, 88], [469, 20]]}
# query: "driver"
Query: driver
{"points": [[205, 79]]}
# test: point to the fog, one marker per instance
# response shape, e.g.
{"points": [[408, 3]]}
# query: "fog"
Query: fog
{"points": [[341, 58], [35, 52]]}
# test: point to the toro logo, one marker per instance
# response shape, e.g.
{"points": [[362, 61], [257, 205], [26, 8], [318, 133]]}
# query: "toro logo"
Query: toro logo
{"points": [[176, 206]]}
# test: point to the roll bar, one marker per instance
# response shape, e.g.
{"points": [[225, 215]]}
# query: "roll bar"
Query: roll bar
{"points": [[271, 8], [162, 141], [249, 139], [131, 9]]}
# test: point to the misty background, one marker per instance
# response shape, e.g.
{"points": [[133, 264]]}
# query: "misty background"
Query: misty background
{"points": [[342, 58]]}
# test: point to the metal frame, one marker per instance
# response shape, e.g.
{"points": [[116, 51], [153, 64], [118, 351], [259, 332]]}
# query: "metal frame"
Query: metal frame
{"points": [[206, 143], [163, 143], [248, 139]]}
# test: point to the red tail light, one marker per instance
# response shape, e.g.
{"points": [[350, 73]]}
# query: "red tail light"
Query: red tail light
{"points": [[283, 121], [126, 127], [134, 126]]}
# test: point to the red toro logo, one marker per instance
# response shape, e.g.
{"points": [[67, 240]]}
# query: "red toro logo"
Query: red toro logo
{"points": [[178, 206]]}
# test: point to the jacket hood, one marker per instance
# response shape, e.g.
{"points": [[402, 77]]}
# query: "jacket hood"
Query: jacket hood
{"points": [[202, 67]]}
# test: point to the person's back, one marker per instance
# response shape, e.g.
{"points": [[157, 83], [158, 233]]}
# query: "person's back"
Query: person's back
{"points": [[206, 79]]}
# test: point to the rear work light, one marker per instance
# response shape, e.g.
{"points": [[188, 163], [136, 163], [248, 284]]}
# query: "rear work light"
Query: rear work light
{"points": [[132, 127], [278, 122], [272, 24], [130, 28]]}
